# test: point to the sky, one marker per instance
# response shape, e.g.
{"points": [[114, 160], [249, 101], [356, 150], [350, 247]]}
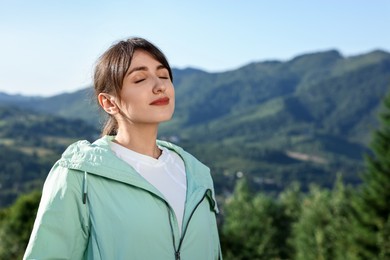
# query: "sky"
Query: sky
{"points": [[50, 47]]}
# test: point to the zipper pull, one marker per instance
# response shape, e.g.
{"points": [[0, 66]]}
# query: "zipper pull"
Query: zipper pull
{"points": [[177, 255]]}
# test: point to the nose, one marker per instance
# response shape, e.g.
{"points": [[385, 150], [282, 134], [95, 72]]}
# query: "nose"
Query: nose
{"points": [[159, 86]]}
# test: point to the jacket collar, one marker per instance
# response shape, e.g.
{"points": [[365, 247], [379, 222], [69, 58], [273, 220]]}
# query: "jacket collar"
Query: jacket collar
{"points": [[98, 159]]}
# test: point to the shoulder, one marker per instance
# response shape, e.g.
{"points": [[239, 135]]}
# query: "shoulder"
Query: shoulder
{"points": [[86, 147], [85, 156], [79, 147], [63, 178]]}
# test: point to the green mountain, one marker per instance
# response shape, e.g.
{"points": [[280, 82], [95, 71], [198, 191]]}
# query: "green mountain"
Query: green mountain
{"points": [[306, 119], [30, 143], [75, 105]]}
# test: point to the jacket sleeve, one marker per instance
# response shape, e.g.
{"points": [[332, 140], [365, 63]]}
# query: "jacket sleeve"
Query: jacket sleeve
{"points": [[61, 228]]}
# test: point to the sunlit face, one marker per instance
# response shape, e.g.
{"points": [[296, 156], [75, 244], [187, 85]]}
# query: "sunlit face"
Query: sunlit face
{"points": [[147, 95]]}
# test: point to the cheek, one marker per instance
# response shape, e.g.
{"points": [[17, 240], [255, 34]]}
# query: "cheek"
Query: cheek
{"points": [[131, 101], [173, 99], [172, 90]]}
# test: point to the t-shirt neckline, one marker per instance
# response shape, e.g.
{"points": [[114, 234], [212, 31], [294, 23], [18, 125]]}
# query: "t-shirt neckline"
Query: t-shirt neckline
{"points": [[127, 153]]}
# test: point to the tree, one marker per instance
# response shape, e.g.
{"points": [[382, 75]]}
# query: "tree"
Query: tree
{"points": [[291, 200], [373, 203], [323, 230], [255, 226], [16, 225]]}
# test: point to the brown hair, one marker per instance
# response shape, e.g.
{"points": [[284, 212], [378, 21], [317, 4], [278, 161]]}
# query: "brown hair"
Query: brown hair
{"points": [[111, 68]]}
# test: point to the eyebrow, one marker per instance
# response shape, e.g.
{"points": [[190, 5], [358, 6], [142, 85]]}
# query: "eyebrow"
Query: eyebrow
{"points": [[144, 68]]}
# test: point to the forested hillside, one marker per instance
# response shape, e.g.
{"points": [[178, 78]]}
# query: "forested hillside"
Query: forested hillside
{"points": [[30, 143], [306, 119]]}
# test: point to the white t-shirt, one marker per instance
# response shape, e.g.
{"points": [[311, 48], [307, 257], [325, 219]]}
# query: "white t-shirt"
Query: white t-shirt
{"points": [[167, 174]]}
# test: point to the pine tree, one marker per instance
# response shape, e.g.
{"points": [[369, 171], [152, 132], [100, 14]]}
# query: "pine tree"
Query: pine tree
{"points": [[255, 226], [238, 223], [373, 203], [323, 229], [290, 200]]}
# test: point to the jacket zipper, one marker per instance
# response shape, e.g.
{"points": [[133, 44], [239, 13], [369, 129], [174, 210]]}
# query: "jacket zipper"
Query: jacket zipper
{"points": [[177, 253]]}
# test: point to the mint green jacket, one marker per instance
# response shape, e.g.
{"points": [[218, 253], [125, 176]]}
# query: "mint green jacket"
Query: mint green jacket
{"points": [[96, 206]]}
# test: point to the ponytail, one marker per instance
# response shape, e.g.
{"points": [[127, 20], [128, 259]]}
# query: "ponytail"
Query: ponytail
{"points": [[110, 127]]}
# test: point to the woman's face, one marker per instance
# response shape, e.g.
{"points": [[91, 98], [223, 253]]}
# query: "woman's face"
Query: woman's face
{"points": [[147, 95]]}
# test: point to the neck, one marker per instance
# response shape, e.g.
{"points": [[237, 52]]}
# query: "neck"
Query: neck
{"points": [[140, 138]]}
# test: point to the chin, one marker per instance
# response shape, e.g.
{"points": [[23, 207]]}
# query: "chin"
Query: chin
{"points": [[162, 116], [165, 119]]}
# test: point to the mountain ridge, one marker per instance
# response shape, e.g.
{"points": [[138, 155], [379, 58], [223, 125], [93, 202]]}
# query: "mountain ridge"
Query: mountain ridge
{"points": [[317, 86], [265, 118]]}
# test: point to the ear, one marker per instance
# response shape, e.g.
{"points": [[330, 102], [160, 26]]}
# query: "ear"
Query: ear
{"points": [[108, 103]]}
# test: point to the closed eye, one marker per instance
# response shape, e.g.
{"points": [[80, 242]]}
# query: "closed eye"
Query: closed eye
{"points": [[139, 81]]}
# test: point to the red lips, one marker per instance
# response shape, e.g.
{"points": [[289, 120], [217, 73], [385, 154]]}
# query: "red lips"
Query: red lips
{"points": [[160, 102]]}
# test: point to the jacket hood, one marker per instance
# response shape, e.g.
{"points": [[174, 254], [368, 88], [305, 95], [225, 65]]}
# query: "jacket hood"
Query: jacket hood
{"points": [[97, 158]]}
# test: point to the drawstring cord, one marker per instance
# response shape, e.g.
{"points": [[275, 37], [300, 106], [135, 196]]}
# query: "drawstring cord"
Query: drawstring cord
{"points": [[85, 186]]}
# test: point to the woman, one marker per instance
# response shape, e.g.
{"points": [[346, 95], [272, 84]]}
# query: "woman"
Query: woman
{"points": [[128, 195]]}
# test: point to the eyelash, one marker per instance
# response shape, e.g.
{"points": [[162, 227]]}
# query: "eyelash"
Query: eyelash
{"points": [[140, 80]]}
